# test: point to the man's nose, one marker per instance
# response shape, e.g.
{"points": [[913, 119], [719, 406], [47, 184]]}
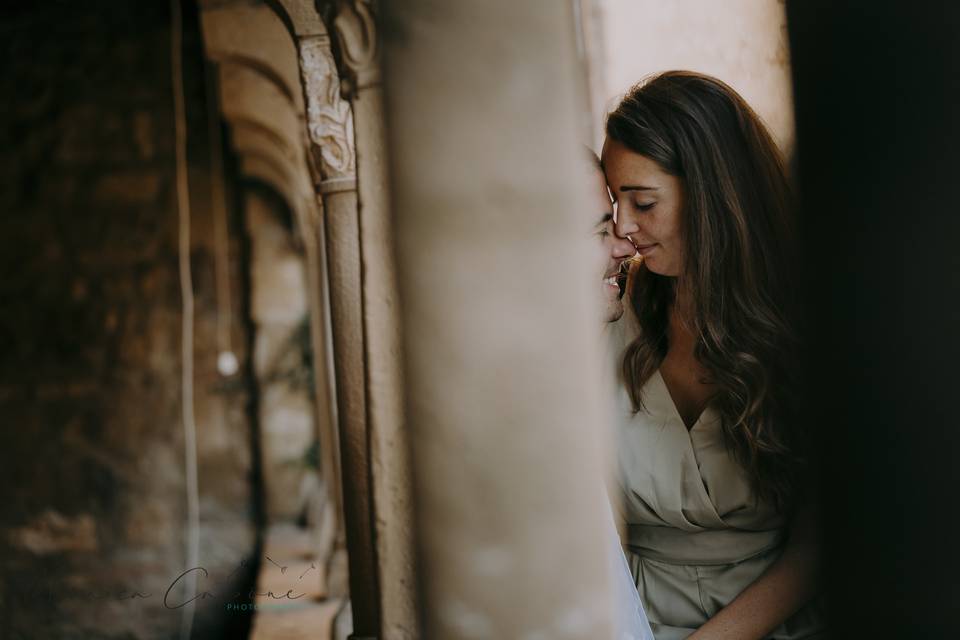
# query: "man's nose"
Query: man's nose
{"points": [[622, 248]]}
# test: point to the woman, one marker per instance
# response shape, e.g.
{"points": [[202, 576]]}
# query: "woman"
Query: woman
{"points": [[720, 534]]}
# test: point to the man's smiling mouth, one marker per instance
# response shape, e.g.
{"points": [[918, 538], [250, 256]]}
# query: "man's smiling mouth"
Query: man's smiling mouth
{"points": [[624, 272]]}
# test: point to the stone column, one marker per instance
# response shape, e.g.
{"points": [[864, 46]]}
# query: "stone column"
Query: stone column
{"points": [[357, 38], [500, 338], [330, 155], [330, 129]]}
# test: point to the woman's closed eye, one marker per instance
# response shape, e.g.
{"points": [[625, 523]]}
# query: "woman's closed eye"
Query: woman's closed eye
{"points": [[645, 206]]}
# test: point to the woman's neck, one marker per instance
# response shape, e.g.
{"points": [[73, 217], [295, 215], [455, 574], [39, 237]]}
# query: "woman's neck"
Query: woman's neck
{"points": [[680, 334]]}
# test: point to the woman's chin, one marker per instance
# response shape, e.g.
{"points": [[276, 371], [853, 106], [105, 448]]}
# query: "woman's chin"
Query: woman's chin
{"points": [[657, 267]]}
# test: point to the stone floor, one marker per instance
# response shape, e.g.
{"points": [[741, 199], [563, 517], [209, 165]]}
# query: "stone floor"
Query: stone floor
{"points": [[292, 589]]}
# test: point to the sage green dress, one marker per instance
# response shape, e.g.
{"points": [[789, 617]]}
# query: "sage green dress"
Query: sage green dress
{"points": [[695, 538]]}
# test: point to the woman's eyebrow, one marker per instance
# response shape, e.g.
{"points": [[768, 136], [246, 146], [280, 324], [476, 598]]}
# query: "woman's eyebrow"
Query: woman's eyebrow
{"points": [[637, 188]]}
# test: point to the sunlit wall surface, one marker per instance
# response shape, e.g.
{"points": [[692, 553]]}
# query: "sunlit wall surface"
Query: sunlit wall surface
{"points": [[742, 42]]}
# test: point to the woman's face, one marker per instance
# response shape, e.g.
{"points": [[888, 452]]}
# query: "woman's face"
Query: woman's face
{"points": [[648, 205]]}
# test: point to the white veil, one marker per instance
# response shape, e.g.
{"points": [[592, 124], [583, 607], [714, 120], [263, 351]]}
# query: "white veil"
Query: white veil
{"points": [[630, 620]]}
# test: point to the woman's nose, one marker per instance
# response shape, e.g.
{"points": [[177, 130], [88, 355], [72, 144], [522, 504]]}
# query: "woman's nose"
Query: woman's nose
{"points": [[625, 223]]}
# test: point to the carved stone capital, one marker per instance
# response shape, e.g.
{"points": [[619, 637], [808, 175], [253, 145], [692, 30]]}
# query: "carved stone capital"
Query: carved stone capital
{"points": [[356, 29], [329, 116]]}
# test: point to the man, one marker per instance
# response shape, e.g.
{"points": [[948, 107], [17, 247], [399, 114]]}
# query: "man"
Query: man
{"points": [[630, 620], [614, 250]]}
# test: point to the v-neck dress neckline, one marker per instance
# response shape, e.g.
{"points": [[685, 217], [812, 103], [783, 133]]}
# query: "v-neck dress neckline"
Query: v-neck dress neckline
{"points": [[676, 410]]}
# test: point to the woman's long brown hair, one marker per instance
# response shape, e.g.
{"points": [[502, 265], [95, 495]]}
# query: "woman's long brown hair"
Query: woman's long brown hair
{"points": [[737, 223]]}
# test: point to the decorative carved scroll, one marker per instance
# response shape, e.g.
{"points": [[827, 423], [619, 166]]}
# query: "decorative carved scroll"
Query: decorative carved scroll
{"points": [[329, 116], [355, 26]]}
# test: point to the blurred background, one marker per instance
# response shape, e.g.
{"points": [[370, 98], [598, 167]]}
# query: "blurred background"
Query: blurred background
{"points": [[201, 383]]}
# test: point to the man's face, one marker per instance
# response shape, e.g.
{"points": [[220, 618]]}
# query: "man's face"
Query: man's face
{"points": [[613, 250]]}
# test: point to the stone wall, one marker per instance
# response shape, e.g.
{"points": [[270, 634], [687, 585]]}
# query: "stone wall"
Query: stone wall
{"points": [[91, 443]]}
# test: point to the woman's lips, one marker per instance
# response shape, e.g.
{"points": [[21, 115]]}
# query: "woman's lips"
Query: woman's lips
{"points": [[644, 249]]}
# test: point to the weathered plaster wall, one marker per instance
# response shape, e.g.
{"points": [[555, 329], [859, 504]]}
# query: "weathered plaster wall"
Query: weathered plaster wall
{"points": [[91, 444], [742, 42]]}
